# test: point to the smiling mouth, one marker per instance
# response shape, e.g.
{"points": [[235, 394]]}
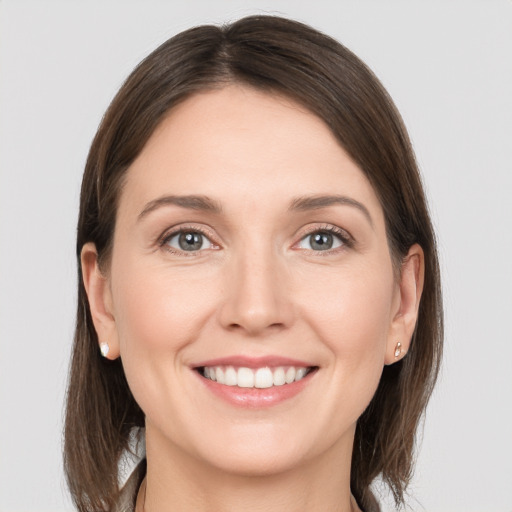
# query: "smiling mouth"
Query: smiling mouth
{"points": [[260, 378]]}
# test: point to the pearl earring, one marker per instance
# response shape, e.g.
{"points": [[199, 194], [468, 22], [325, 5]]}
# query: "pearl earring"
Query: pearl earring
{"points": [[398, 349], [104, 348]]}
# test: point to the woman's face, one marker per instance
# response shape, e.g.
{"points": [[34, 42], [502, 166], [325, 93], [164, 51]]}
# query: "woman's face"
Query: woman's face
{"points": [[249, 249]]}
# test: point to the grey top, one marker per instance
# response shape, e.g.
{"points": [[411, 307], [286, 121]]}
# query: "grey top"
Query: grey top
{"points": [[128, 495]]}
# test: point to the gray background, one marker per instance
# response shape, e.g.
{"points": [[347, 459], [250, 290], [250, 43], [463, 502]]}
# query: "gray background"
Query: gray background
{"points": [[447, 64]]}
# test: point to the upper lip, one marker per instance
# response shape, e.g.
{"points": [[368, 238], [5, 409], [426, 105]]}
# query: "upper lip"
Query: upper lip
{"points": [[253, 362]]}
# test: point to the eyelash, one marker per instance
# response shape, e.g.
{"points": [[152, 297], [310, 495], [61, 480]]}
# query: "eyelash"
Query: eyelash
{"points": [[169, 235], [346, 240]]}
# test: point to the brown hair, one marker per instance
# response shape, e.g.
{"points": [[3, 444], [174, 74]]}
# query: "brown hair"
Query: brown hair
{"points": [[286, 57]]}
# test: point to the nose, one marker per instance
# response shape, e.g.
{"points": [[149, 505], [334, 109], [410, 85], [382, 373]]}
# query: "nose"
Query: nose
{"points": [[257, 294]]}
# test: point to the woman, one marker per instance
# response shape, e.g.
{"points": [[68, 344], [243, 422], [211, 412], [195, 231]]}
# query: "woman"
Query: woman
{"points": [[258, 285]]}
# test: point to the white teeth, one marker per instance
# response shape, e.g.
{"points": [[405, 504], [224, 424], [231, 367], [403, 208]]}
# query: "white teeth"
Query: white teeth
{"points": [[230, 376], [245, 378], [263, 378], [259, 378], [290, 375], [300, 373], [279, 377], [219, 375]]}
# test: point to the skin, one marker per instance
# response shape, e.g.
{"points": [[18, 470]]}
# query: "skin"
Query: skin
{"points": [[257, 288]]}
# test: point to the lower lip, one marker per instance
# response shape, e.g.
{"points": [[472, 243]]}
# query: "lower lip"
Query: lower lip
{"points": [[256, 398]]}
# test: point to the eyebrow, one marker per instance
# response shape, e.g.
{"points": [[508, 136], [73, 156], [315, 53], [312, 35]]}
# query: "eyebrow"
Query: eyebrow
{"points": [[192, 202], [206, 204], [317, 202]]}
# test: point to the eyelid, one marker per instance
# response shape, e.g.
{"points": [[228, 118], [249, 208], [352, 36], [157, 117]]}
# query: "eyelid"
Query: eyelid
{"points": [[186, 228], [346, 238]]}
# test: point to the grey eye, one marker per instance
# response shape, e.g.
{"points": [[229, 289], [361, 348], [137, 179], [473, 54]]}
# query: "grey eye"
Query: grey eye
{"points": [[189, 241], [320, 241]]}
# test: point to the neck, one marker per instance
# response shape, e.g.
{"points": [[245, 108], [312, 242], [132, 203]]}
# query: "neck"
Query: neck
{"points": [[178, 482]]}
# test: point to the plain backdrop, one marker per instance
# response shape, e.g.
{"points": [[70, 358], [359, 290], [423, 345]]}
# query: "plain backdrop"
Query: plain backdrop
{"points": [[448, 66]]}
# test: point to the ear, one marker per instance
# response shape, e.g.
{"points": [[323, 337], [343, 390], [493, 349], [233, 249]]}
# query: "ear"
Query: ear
{"points": [[407, 305], [99, 294]]}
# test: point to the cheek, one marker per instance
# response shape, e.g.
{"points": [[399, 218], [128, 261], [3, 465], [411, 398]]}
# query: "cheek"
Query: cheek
{"points": [[353, 309], [158, 313], [352, 316], [354, 328], [156, 309]]}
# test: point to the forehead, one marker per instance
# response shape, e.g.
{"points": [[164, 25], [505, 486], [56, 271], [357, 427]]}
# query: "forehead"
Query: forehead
{"points": [[240, 145]]}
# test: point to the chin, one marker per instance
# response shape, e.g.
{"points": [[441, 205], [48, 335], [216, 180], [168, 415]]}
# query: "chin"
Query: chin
{"points": [[265, 448], [257, 463]]}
